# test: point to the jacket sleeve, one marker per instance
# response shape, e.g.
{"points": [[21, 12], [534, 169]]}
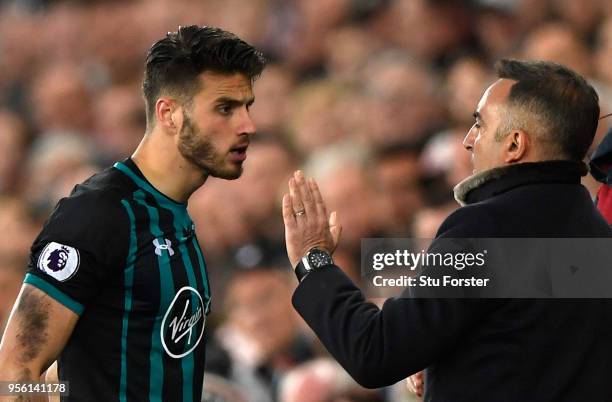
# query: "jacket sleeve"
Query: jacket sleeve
{"points": [[379, 347]]}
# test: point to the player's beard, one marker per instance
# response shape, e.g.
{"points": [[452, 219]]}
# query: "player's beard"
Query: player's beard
{"points": [[200, 151]]}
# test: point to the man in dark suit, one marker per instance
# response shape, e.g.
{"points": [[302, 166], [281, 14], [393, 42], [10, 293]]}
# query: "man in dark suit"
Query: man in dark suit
{"points": [[533, 128]]}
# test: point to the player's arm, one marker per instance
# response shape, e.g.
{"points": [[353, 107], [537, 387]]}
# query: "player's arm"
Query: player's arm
{"points": [[82, 244], [38, 328]]}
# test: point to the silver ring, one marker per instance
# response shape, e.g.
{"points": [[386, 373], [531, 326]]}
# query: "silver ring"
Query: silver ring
{"points": [[300, 213]]}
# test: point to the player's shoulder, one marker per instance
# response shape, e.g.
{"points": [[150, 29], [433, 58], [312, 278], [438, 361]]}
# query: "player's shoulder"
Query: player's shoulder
{"points": [[90, 225], [108, 185], [97, 198]]}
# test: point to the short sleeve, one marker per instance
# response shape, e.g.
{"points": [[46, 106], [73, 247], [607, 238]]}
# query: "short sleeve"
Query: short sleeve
{"points": [[81, 249]]}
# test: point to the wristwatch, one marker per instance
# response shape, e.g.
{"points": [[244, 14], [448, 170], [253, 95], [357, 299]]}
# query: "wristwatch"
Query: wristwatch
{"points": [[314, 259]]}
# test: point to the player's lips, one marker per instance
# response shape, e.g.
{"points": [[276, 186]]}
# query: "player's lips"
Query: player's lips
{"points": [[238, 153]]}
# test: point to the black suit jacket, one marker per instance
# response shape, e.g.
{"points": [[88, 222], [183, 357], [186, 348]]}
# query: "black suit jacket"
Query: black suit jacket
{"points": [[474, 349]]}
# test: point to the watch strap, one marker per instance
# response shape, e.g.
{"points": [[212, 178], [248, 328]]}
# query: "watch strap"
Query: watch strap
{"points": [[301, 271]]}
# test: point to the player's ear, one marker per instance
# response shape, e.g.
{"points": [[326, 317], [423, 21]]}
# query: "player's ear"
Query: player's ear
{"points": [[516, 145], [169, 115]]}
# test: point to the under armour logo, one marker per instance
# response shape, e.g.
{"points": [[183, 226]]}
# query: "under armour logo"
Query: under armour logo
{"points": [[159, 247]]}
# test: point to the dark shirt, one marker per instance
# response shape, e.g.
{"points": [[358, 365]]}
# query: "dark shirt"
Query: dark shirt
{"points": [[125, 258]]}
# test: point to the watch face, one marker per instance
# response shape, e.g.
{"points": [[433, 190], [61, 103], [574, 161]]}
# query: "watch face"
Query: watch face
{"points": [[318, 258]]}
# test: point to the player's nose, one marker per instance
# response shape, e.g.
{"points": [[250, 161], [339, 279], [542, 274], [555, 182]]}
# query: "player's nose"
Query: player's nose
{"points": [[246, 125], [468, 141]]}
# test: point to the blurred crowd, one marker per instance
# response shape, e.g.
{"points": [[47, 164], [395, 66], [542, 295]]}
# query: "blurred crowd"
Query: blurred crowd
{"points": [[371, 97]]}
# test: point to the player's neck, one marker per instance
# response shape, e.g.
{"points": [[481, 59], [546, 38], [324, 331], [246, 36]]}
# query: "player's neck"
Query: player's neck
{"points": [[165, 168]]}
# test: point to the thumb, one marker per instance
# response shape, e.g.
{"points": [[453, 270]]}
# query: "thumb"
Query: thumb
{"points": [[335, 228]]}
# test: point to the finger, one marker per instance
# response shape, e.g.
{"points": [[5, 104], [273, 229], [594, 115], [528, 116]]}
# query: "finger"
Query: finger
{"points": [[335, 229], [418, 391], [318, 199], [418, 379], [288, 216], [296, 200], [418, 382], [410, 385], [305, 194]]}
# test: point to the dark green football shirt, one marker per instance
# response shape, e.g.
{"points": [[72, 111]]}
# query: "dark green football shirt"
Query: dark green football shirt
{"points": [[125, 258]]}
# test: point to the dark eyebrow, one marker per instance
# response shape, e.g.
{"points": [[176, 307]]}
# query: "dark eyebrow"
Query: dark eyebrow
{"points": [[235, 102]]}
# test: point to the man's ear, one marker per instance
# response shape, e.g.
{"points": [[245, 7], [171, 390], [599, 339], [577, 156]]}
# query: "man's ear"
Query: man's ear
{"points": [[169, 115], [517, 145]]}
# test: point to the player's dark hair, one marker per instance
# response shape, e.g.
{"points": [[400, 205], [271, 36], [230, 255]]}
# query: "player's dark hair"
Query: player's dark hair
{"points": [[174, 63], [559, 98]]}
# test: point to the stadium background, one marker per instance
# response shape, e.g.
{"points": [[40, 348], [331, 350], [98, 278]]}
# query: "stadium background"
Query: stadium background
{"points": [[372, 97]]}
